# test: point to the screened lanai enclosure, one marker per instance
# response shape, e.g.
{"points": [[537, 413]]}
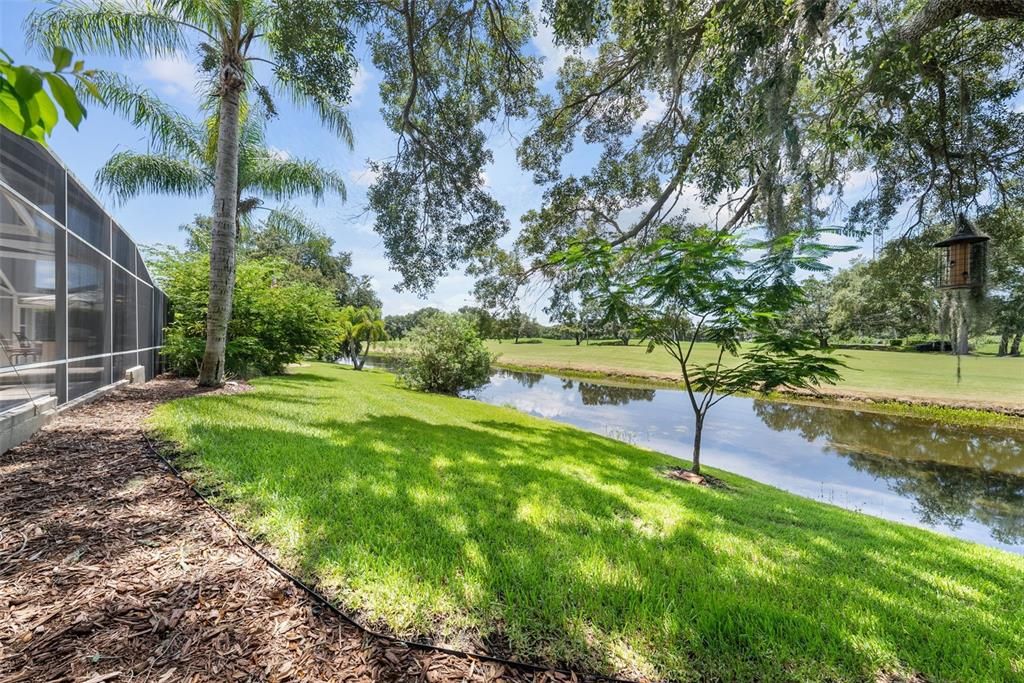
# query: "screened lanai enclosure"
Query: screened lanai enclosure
{"points": [[77, 305]]}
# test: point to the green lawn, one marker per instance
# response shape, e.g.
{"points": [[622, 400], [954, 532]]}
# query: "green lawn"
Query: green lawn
{"points": [[887, 374], [484, 527]]}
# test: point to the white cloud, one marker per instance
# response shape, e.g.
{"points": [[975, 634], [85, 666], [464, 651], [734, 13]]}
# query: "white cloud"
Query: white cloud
{"points": [[544, 42], [453, 291], [173, 76], [655, 110], [277, 153], [363, 176], [688, 204], [858, 180], [360, 80]]}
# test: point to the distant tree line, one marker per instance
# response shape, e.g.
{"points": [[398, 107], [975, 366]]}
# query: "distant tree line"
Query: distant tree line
{"points": [[517, 326], [888, 299]]}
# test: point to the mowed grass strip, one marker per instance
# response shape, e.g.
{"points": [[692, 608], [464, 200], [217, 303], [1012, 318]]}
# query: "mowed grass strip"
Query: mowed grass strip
{"points": [[890, 374], [481, 526]]}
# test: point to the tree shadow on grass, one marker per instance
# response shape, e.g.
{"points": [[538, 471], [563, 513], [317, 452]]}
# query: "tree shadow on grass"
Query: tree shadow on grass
{"points": [[560, 546], [110, 568]]}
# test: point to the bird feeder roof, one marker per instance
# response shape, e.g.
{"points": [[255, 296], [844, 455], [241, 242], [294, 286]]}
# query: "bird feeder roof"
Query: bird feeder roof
{"points": [[965, 233]]}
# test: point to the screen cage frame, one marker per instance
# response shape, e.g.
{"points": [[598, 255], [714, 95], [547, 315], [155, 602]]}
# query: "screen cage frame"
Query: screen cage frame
{"points": [[67, 329]]}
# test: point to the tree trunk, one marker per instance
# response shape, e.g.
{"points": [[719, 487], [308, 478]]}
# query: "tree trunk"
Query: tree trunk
{"points": [[1015, 345], [697, 430], [225, 211], [578, 339], [1004, 344], [823, 342]]}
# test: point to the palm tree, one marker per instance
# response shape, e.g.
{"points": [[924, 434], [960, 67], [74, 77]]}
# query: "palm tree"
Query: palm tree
{"points": [[313, 67], [360, 328], [182, 155]]}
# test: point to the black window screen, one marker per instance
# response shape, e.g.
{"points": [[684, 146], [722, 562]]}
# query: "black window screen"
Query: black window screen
{"points": [[87, 375], [28, 284], [77, 302], [31, 172], [124, 250], [88, 283], [28, 384], [124, 311], [86, 219], [122, 362], [147, 321]]}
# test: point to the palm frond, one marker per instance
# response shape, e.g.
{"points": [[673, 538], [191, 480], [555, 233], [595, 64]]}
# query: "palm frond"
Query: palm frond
{"points": [[283, 178], [128, 174], [171, 132], [211, 15], [129, 29], [248, 205], [257, 13], [330, 112], [251, 134], [335, 118], [288, 220]]}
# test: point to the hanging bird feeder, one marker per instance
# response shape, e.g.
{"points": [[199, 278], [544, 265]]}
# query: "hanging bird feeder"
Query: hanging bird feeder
{"points": [[962, 259]]}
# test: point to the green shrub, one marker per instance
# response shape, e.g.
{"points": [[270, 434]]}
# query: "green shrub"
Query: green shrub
{"points": [[446, 356], [920, 339], [275, 319]]}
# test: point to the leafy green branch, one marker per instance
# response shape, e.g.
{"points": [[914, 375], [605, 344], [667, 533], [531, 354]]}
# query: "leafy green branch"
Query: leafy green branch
{"points": [[28, 108]]}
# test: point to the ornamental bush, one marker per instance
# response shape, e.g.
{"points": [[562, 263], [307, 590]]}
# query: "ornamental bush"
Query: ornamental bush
{"points": [[275, 319], [446, 355]]}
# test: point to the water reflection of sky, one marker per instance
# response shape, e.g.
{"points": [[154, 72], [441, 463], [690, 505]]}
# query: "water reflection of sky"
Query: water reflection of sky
{"points": [[951, 480]]}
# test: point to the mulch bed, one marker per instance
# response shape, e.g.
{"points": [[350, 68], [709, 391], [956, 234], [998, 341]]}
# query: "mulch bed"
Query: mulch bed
{"points": [[680, 474], [111, 570]]}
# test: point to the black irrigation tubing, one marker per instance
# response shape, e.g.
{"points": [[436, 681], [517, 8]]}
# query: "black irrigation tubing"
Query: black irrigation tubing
{"points": [[349, 619]]}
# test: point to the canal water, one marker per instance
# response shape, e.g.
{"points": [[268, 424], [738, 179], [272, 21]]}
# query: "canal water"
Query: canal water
{"points": [[962, 481]]}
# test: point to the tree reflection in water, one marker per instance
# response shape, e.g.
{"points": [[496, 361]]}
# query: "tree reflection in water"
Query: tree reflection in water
{"points": [[604, 395], [590, 394], [526, 379], [952, 474]]}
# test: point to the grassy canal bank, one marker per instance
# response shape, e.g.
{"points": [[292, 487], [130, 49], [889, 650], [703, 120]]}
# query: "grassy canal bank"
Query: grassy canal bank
{"points": [[987, 382], [489, 529], [906, 384]]}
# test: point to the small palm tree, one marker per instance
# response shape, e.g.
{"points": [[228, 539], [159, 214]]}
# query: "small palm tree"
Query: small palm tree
{"points": [[313, 66], [182, 156], [360, 329]]}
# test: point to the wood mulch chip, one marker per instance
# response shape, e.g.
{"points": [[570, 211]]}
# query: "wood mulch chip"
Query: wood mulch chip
{"points": [[111, 570], [689, 477]]}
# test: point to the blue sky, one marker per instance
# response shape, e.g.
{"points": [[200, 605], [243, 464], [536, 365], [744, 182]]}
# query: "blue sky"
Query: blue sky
{"points": [[155, 219]]}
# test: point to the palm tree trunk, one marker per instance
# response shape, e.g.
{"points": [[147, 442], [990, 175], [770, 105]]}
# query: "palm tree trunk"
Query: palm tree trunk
{"points": [[225, 210]]}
